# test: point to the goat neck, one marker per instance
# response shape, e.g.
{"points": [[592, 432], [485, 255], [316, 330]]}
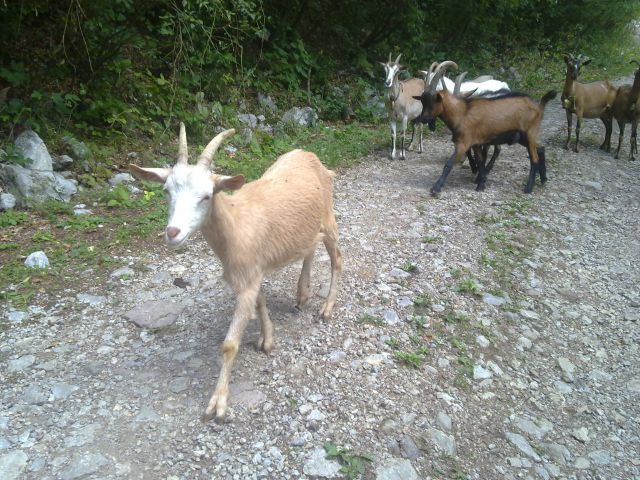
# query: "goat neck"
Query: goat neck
{"points": [[452, 110]]}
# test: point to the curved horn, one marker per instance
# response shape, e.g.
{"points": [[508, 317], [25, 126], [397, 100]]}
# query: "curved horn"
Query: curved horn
{"points": [[183, 157], [458, 84], [207, 154], [636, 62], [398, 59], [428, 74], [389, 61], [439, 73]]}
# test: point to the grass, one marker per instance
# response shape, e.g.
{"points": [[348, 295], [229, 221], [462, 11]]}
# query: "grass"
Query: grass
{"points": [[352, 465], [469, 285], [77, 246], [368, 319], [409, 267]]}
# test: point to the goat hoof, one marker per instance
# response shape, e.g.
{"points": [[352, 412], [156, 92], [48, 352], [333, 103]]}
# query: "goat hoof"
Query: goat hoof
{"points": [[480, 187], [206, 418], [264, 345]]}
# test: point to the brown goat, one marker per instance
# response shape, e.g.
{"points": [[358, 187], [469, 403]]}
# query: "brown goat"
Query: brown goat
{"points": [[586, 100], [475, 122], [625, 110], [266, 224]]}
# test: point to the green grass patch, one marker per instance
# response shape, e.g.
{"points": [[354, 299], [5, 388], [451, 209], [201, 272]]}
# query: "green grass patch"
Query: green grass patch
{"points": [[352, 465], [409, 359], [469, 285], [371, 320], [336, 146], [12, 218], [409, 267]]}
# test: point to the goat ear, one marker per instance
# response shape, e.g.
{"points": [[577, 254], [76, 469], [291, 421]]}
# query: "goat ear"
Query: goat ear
{"points": [[586, 62], [158, 175], [224, 182]]}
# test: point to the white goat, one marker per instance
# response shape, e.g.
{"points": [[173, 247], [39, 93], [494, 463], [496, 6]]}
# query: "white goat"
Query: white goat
{"points": [[400, 103], [480, 86], [264, 225]]}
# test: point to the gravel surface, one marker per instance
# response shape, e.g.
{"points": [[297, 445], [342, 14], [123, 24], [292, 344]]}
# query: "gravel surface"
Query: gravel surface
{"points": [[519, 314]]}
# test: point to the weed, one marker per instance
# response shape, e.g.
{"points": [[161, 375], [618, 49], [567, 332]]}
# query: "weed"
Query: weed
{"points": [[456, 273], [119, 197], [430, 239], [41, 236], [409, 267], [413, 360], [8, 246], [423, 300], [371, 320], [420, 322], [352, 465], [452, 317], [468, 285], [393, 343], [11, 218], [84, 223], [466, 364]]}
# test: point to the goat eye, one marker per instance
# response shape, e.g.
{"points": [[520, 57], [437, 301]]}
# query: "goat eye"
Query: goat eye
{"points": [[205, 198]]}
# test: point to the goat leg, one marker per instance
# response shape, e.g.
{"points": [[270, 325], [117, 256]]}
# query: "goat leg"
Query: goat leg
{"points": [[569, 122], [621, 128], [392, 125], [265, 342], [244, 311], [472, 162], [494, 156], [481, 157], [542, 165], [331, 243], [578, 124], [437, 187], [534, 168], [404, 132], [633, 147], [304, 281], [608, 129]]}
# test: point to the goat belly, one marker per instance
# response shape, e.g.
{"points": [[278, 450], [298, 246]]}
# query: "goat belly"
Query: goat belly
{"points": [[508, 138]]}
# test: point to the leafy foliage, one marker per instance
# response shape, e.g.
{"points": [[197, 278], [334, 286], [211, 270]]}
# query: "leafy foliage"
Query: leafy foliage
{"points": [[108, 68]]}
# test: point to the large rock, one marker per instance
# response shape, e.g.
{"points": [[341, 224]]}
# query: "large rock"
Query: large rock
{"points": [[306, 116], [7, 201], [155, 314], [396, 469], [31, 187], [13, 465], [33, 149]]}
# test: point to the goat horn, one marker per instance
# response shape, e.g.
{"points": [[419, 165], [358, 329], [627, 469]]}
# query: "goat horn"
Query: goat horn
{"points": [[636, 62], [458, 84], [439, 73], [389, 61], [207, 154], [398, 59], [183, 157]]}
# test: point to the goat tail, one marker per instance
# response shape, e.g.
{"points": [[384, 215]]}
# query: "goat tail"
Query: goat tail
{"points": [[550, 95]]}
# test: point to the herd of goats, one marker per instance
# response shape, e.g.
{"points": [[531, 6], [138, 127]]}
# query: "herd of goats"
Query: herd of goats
{"points": [[484, 112], [281, 217]]}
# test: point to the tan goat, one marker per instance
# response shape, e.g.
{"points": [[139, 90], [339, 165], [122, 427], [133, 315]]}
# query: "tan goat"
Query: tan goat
{"points": [[401, 105], [264, 225], [586, 100], [625, 110]]}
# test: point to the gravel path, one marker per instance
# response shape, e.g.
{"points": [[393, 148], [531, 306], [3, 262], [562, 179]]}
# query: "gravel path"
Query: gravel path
{"points": [[519, 314]]}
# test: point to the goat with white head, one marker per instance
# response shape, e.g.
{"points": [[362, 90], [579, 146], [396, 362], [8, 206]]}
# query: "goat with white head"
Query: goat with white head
{"points": [[266, 224], [400, 103]]}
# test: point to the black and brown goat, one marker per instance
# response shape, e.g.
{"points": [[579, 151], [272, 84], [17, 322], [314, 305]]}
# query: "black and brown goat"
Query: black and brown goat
{"points": [[476, 122], [586, 100], [625, 110]]}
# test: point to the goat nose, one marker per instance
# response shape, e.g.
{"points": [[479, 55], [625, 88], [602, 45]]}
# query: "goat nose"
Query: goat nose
{"points": [[172, 232]]}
